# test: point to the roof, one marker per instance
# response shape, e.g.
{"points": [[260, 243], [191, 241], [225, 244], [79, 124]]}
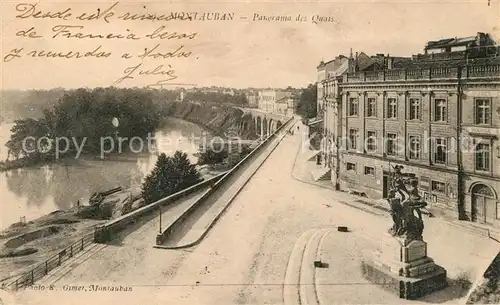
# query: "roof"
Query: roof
{"points": [[334, 64], [283, 100], [451, 42], [365, 61]]}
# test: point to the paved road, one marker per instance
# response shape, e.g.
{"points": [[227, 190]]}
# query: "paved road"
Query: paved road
{"points": [[192, 229], [244, 258]]}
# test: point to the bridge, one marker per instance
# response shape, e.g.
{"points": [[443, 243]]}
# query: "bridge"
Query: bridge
{"points": [[249, 236], [265, 123]]}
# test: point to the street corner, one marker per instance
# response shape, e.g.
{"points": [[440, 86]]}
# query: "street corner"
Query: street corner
{"points": [[299, 285]]}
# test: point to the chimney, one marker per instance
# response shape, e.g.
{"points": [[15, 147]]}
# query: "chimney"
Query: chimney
{"points": [[350, 63], [389, 62], [356, 67]]}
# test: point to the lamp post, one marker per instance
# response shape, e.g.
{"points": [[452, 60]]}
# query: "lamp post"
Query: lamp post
{"points": [[159, 207]]}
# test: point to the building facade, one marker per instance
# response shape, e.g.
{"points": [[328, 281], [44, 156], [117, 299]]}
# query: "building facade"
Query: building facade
{"points": [[440, 119], [270, 100], [252, 98]]}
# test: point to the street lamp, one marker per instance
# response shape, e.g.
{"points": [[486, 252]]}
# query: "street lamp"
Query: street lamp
{"points": [[159, 207]]}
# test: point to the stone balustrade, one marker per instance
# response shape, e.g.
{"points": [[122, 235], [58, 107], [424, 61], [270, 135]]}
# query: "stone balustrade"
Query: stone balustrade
{"points": [[433, 73]]}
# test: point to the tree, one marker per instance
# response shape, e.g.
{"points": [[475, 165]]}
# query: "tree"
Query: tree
{"points": [[306, 107], [87, 114], [212, 154], [170, 175]]}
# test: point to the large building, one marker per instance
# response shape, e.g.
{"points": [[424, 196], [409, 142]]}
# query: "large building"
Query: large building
{"points": [[437, 114], [252, 98], [270, 100], [286, 106]]}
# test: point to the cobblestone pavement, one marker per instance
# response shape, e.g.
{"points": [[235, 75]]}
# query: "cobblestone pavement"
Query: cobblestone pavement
{"points": [[252, 251]]}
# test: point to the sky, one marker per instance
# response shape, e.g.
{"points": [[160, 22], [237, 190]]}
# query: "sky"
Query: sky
{"points": [[238, 53]]}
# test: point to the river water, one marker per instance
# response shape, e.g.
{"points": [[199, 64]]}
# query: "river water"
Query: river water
{"points": [[36, 191]]}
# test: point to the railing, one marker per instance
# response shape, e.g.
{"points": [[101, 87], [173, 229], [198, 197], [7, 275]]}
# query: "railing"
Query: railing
{"points": [[100, 234], [443, 72], [161, 237], [105, 233], [28, 278], [472, 71], [481, 71]]}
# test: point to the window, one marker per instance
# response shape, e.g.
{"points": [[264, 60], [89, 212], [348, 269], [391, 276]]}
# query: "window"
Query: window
{"points": [[414, 109], [369, 171], [371, 107], [391, 144], [392, 108], [351, 166], [440, 110], [371, 141], [353, 107], [440, 151], [482, 111], [439, 187], [415, 147], [353, 138], [483, 151]]}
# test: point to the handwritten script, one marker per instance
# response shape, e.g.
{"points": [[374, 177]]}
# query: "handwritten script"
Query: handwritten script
{"points": [[162, 45], [144, 46]]}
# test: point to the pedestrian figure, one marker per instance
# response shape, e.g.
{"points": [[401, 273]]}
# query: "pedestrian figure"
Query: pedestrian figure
{"points": [[297, 127]]}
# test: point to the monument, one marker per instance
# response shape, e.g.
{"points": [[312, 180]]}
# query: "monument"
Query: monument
{"points": [[401, 264]]}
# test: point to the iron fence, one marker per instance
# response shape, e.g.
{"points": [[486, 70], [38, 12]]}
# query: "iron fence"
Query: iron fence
{"points": [[28, 278]]}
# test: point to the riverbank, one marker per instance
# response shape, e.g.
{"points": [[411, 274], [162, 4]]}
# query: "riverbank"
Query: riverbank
{"points": [[23, 245], [219, 120]]}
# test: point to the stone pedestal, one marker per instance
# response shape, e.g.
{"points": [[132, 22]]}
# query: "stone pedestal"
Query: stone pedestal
{"points": [[403, 267]]}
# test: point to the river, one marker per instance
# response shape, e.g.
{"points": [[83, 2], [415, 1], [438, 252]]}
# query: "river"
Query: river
{"points": [[36, 191]]}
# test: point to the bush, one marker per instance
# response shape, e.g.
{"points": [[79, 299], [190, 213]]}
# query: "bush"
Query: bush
{"points": [[212, 154]]}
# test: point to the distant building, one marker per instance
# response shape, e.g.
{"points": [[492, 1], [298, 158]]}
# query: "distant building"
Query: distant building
{"points": [[271, 100], [281, 106], [437, 114], [228, 91], [292, 104], [252, 98], [330, 70], [472, 44]]}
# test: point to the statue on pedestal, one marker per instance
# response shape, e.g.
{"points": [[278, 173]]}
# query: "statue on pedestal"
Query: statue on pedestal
{"points": [[401, 264], [405, 212]]}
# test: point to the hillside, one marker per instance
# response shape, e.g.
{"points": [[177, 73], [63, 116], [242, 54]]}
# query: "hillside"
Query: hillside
{"points": [[219, 119]]}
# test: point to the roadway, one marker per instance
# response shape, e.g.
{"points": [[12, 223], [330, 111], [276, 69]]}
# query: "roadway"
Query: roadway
{"points": [[244, 258], [200, 221]]}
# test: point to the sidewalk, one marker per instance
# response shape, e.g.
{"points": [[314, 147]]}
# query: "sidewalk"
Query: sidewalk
{"points": [[453, 245], [302, 171]]}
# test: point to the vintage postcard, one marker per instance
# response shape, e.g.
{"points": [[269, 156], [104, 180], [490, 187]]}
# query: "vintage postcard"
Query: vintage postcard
{"points": [[250, 152]]}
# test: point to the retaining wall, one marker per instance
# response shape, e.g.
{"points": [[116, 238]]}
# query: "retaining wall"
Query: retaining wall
{"points": [[160, 238], [107, 231]]}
